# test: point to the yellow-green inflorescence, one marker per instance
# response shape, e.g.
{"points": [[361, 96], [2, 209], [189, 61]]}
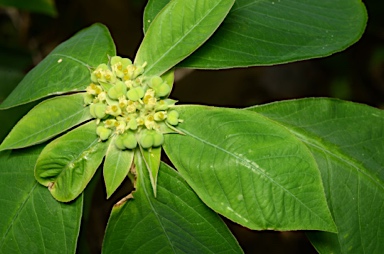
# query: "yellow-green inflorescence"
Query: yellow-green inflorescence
{"points": [[130, 105]]}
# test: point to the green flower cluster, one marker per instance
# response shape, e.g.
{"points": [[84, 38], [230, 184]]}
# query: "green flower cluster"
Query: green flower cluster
{"points": [[132, 106]]}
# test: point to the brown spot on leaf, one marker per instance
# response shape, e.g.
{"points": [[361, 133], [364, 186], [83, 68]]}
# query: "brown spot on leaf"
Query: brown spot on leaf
{"points": [[123, 200], [51, 185]]}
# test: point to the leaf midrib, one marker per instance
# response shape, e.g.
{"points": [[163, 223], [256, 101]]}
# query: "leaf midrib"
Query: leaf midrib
{"points": [[182, 38], [149, 192], [15, 144], [336, 153], [17, 214], [258, 169]]}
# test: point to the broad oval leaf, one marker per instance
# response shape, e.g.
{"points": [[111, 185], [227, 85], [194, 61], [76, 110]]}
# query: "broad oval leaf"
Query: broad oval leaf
{"points": [[66, 68], [46, 120], [67, 164], [174, 222], [179, 29], [249, 169], [31, 220], [346, 139], [266, 32], [116, 167]]}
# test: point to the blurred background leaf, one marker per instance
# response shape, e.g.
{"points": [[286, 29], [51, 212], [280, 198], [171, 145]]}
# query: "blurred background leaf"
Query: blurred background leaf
{"points": [[40, 6]]}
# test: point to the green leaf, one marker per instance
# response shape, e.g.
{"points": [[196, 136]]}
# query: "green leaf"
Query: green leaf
{"points": [[31, 220], [178, 30], [116, 167], [270, 32], [277, 31], [346, 139], [67, 164], [46, 120], [40, 6], [174, 222], [169, 77], [152, 161], [13, 115], [152, 8], [249, 169], [66, 68]]}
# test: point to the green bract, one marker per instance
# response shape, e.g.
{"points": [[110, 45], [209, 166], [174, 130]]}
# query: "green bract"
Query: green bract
{"points": [[130, 105]]}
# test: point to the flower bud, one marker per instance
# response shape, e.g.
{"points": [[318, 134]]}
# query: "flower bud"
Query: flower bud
{"points": [[129, 140], [158, 139], [135, 93], [173, 117], [155, 81], [103, 132], [162, 90], [118, 90], [98, 110], [119, 142], [146, 139], [132, 124]]}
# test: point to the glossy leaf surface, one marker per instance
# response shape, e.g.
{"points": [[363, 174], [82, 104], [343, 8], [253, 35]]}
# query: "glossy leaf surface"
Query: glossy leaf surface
{"points": [[31, 220], [67, 164], [178, 30], [151, 10], [116, 167], [40, 6], [66, 68], [46, 120], [249, 169], [265, 32], [346, 140], [174, 222]]}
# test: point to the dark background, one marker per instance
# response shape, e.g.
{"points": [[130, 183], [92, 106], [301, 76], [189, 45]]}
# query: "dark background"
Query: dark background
{"points": [[356, 74]]}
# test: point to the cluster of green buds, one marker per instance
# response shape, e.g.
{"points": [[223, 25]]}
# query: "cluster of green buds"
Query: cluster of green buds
{"points": [[130, 105]]}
